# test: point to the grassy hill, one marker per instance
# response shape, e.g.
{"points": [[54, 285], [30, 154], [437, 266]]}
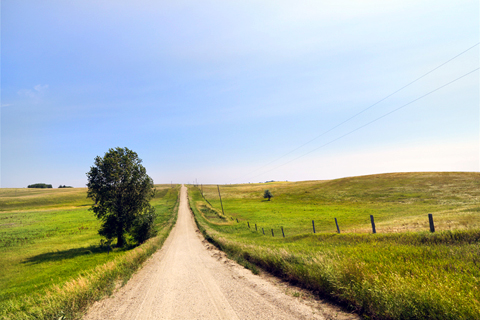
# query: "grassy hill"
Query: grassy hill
{"points": [[399, 202], [402, 272]]}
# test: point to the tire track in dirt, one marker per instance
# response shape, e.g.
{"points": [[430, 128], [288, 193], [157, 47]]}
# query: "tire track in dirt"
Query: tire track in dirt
{"points": [[190, 279]]}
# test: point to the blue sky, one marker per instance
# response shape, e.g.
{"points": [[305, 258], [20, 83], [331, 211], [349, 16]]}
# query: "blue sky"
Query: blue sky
{"points": [[223, 91]]}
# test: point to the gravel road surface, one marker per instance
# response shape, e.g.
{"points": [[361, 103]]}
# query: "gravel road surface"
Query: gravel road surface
{"points": [[190, 279]]}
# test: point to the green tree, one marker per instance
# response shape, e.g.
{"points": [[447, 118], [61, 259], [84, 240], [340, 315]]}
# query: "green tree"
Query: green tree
{"points": [[267, 194], [122, 190], [143, 227], [40, 185]]}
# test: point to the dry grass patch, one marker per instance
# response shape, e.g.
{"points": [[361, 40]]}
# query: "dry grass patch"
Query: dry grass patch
{"points": [[402, 272]]}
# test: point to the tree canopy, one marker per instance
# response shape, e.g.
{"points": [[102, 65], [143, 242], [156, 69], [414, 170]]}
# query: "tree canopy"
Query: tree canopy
{"points": [[121, 189], [40, 185]]}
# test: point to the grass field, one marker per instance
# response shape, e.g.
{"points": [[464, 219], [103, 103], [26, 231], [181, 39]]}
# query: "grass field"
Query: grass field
{"points": [[402, 272], [48, 237]]}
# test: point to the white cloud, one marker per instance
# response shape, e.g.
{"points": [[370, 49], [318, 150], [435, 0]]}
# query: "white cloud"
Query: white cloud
{"points": [[35, 93], [41, 88], [26, 92]]}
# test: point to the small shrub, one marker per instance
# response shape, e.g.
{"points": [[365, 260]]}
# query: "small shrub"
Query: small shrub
{"points": [[267, 194]]}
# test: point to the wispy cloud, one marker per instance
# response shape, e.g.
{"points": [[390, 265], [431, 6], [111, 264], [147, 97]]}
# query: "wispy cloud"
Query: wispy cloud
{"points": [[41, 88], [38, 91]]}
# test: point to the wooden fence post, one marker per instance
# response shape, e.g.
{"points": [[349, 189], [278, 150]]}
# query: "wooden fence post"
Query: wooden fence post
{"points": [[283, 232], [248, 224], [273, 234], [373, 224], [336, 222], [263, 231], [313, 225], [256, 227], [430, 220]]}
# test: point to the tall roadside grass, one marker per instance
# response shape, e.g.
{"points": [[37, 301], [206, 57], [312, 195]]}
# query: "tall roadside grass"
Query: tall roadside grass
{"points": [[70, 299], [399, 275]]}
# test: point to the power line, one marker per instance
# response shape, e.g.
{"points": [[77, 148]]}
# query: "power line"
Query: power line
{"points": [[362, 111], [368, 123]]}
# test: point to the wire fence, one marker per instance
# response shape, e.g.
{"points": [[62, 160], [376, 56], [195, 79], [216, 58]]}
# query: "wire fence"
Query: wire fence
{"points": [[335, 224], [372, 221]]}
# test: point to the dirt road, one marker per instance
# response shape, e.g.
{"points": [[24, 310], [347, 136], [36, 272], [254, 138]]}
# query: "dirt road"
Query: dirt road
{"points": [[189, 279]]}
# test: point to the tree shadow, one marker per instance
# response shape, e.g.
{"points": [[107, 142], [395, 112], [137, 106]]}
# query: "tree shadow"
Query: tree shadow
{"points": [[66, 254]]}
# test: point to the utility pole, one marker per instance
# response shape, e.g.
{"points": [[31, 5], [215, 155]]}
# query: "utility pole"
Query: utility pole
{"points": [[220, 199]]}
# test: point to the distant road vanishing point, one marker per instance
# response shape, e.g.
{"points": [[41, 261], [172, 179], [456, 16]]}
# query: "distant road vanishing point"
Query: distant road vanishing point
{"points": [[190, 279]]}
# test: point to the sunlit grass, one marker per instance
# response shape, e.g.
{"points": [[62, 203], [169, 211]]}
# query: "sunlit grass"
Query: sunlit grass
{"points": [[399, 202], [402, 272], [31, 198], [53, 239]]}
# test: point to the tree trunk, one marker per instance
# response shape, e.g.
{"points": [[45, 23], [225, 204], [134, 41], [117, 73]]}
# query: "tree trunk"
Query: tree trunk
{"points": [[120, 241], [120, 237]]}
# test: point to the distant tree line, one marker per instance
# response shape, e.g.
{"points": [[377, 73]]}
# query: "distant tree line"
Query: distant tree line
{"points": [[40, 185], [64, 186]]}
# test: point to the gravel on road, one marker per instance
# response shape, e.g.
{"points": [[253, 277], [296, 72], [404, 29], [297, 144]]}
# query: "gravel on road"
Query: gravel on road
{"points": [[190, 279]]}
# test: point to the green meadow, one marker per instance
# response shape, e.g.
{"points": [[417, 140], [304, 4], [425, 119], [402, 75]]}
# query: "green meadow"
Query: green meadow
{"points": [[402, 272], [48, 238]]}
